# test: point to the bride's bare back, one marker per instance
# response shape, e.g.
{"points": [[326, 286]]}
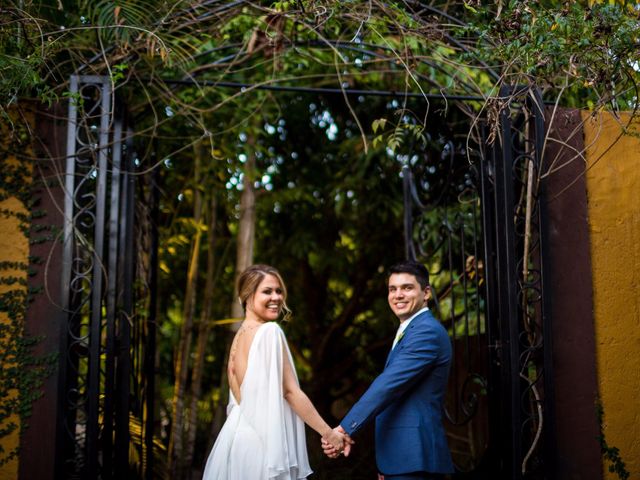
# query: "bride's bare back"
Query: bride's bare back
{"points": [[239, 357], [291, 392]]}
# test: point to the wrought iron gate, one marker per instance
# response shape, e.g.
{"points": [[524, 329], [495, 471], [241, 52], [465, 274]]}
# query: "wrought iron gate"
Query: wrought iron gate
{"points": [[488, 270], [107, 352]]}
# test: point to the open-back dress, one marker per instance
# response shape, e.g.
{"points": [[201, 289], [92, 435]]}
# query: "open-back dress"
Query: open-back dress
{"points": [[262, 438]]}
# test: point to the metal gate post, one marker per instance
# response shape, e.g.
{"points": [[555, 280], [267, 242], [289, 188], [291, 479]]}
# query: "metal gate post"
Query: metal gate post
{"points": [[98, 292], [523, 344], [506, 188]]}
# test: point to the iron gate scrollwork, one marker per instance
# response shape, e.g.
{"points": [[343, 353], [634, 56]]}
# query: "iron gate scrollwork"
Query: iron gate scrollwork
{"points": [[443, 228], [479, 213], [512, 189], [104, 379]]}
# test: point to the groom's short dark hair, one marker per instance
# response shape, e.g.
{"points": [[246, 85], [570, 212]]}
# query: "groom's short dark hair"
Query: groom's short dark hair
{"points": [[414, 268]]}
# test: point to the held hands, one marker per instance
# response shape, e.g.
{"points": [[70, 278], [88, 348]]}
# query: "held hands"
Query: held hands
{"points": [[337, 442], [334, 438]]}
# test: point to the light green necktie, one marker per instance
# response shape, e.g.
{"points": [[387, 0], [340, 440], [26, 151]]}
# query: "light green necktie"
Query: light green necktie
{"points": [[399, 335]]}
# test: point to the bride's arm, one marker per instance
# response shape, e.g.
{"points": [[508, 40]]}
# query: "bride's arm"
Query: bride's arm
{"points": [[303, 407]]}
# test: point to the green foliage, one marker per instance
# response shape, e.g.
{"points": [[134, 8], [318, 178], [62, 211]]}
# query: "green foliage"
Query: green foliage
{"points": [[329, 216], [584, 55], [21, 65], [610, 454], [117, 17]]}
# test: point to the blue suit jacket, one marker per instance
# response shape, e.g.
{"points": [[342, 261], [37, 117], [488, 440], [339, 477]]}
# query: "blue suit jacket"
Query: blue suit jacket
{"points": [[407, 399]]}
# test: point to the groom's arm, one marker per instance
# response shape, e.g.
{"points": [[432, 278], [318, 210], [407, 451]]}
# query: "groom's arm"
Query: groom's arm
{"points": [[418, 355]]}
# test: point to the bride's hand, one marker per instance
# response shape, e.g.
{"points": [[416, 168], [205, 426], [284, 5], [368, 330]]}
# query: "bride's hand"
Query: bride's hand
{"points": [[333, 451], [335, 438]]}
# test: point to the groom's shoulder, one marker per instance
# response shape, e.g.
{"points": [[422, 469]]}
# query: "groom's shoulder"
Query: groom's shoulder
{"points": [[426, 320], [425, 317]]}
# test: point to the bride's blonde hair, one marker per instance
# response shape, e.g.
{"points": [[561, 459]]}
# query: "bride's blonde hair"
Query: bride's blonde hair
{"points": [[249, 280]]}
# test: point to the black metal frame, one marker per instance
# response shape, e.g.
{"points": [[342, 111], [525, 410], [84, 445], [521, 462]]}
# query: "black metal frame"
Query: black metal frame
{"points": [[457, 265], [515, 250], [107, 352], [98, 369], [506, 249]]}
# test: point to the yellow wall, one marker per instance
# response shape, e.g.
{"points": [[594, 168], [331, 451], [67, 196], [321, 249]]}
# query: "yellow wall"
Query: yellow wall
{"points": [[14, 247], [613, 190]]}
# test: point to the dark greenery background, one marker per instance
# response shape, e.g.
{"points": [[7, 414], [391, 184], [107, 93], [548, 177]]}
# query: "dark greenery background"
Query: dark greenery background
{"points": [[327, 177], [329, 217]]}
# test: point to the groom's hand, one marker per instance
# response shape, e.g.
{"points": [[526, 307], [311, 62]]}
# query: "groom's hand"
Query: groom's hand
{"points": [[329, 450], [348, 441], [332, 452]]}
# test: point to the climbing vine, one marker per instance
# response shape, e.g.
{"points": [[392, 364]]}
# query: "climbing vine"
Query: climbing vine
{"points": [[610, 454], [21, 371]]}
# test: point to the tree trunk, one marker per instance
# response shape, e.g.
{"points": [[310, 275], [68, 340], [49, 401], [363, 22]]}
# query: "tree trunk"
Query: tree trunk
{"points": [[246, 224], [203, 336], [244, 258], [176, 453]]}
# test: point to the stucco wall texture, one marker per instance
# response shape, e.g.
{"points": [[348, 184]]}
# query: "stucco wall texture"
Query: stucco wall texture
{"points": [[14, 247], [613, 191]]}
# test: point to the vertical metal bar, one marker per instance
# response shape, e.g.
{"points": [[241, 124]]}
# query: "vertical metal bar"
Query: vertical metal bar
{"points": [[508, 281], [125, 317], [497, 427], [510, 268], [67, 259], [454, 370], [150, 347], [69, 189], [93, 426], [464, 298], [547, 337], [449, 247], [111, 300], [477, 276]]}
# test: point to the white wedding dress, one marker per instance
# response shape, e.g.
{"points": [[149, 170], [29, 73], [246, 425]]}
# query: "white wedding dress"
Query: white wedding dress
{"points": [[262, 438]]}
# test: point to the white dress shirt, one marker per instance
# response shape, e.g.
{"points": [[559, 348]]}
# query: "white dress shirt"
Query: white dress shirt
{"points": [[403, 326]]}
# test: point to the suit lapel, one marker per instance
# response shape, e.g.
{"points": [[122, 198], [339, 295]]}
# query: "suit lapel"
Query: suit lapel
{"points": [[406, 333], [389, 357], [395, 349]]}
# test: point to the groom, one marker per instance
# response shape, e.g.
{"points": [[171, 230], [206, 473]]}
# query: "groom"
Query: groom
{"points": [[407, 398]]}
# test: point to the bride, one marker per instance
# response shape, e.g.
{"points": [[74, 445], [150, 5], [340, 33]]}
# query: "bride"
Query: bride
{"points": [[263, 436]]}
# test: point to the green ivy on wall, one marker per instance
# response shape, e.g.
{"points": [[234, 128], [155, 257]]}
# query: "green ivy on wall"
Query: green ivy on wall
{"points": [[610, 454], [21, 372]]}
